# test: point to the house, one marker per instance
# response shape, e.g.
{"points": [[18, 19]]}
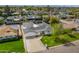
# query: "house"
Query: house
{"points": [[1, 17], [71, 24], [14, 20], [68, 24], [16, 13], [76, 21], [32, 29], [66, 15], [34, 18], [8, 32], [36, 27]]}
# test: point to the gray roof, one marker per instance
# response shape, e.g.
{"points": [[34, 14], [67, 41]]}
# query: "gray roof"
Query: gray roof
{"points": [[33, 17], [14, 17], [41, 27], [1, 17], [14, 26], [77, 21], [31, 34]]}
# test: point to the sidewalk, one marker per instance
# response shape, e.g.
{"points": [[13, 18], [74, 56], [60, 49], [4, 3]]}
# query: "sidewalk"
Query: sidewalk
{"points": [[72, 48]]}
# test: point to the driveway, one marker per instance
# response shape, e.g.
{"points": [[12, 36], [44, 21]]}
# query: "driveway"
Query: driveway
{"points": [[34, 45]]}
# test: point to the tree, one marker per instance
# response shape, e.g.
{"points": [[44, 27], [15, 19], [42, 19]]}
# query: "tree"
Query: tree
{"points": [[45, 18], [53, 20]]}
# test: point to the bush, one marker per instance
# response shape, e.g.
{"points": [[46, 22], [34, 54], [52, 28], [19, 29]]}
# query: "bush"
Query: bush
{"points": [[63, 41], [53, 20], [66, 31], [71, 35]]}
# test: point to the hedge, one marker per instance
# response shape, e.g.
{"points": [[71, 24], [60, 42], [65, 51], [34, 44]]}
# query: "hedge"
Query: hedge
{"points": [[8, 39]]}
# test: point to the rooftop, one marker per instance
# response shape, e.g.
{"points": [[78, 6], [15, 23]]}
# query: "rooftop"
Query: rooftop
{"points": [[7, 30], [36, 28]]}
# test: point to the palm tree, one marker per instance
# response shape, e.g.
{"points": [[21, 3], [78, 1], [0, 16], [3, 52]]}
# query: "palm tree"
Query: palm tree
{"points": [[49, 12]]}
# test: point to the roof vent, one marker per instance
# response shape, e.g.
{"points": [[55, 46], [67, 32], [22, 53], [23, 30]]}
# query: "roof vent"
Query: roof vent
{"points": [[34, 25]]}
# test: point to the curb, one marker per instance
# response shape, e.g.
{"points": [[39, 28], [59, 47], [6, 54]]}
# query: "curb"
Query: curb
{"points": [[62, 44]]}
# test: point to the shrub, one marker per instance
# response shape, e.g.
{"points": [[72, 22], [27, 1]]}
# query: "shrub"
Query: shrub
{"points": [[6, 39], [53, 20], [71, 35], [66, 31]]}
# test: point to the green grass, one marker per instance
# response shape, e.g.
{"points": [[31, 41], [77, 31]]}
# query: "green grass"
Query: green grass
{"points": [[51, 40], [14, 46]]}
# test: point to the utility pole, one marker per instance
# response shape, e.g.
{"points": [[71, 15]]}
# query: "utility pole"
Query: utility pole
{"points": [[49, 12]]}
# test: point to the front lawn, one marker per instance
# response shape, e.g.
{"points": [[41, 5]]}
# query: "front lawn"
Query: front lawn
{"points": [[57, 39], [14, 46]]}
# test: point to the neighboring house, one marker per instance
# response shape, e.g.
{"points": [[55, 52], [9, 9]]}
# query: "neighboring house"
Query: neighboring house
{"points": [[76, 21], [77, 29], [34, 18], [63, 15], [9, 31], [16, 13], [71, 24], [68, 24], [66, 15], [14, 20], [1, 17]]}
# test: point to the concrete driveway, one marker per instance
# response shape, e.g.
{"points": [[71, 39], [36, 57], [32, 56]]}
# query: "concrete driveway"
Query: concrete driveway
{"points": [[34, 45]]}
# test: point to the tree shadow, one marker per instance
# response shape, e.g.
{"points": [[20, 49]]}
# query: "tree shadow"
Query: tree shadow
{"points": [[65, 42], [68, 43]]}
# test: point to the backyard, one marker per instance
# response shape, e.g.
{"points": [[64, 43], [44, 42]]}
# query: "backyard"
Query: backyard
{"points": [[13, 46], [58, 37]]}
